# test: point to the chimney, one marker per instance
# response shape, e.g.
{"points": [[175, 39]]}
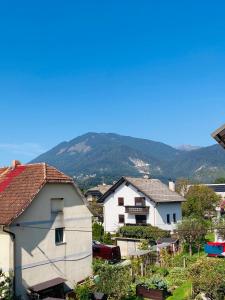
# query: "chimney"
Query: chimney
{"points": [[15, 163], [146, 176], [172, 186]]}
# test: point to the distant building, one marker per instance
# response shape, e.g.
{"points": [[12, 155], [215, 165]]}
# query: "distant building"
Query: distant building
{"points": [[141, 201], [45, 230], [95, 193]]}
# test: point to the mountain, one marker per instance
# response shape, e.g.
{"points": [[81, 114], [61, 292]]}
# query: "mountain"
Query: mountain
{"points": [[187, 147], [96, 157]]}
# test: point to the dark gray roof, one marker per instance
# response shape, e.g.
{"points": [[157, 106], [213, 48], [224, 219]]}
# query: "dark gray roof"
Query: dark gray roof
{"points": [[102, 188], [219, 135], [151, 188]]}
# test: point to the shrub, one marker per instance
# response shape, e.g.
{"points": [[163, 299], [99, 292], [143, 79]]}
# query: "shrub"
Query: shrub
{"points": [[97, 232], [113, 280], [82, 291], [208, 276], [143, 232]]}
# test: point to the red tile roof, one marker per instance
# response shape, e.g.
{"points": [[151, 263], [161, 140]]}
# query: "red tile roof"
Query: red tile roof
{"points": [[19, 186]]}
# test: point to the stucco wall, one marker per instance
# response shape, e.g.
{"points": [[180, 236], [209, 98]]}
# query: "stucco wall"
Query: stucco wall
{"points": [[6, 252], [38, 259], [162, 209]]}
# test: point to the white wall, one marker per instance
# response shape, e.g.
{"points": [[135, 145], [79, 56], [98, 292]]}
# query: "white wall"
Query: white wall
{"points": [[38, 259], [112, 210], [6, 252], [162, 209]]}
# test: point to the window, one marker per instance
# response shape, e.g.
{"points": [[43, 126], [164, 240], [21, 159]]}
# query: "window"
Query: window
{"points": [[121, 201], [174, 218], [59, 235], [57, 205], [139, 201], [121, 219], [168, 218], [141, 219]]}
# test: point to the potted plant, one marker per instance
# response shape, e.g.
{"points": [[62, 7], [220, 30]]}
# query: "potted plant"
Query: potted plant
{"points": [[154, 288]]}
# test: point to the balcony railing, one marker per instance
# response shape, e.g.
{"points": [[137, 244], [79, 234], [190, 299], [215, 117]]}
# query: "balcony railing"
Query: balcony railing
{"points": [[137, 210]]}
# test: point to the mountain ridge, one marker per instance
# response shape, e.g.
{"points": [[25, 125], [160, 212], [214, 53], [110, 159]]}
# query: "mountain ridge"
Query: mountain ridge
{"points": [[93, 157]]}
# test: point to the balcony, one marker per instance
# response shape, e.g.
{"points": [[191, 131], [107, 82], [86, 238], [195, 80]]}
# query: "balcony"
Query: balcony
{"points": [[137, 210]]}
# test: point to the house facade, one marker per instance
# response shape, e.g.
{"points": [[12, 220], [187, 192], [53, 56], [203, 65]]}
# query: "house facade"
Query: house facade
{"points": [[45, 230], [141, 201]]}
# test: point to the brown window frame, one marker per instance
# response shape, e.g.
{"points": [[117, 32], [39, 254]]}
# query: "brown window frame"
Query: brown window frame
{"points": [[120, 201], [123, 219], [139, 199]]}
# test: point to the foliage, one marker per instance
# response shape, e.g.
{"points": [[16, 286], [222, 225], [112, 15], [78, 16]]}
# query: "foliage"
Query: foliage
{"points": [[154, 282], [208, 276], [220, 180], [143, 232], [183, 292], [177, 276], [201, 202], [83, 291], [144, 245], [114, 280], [97, 264], [192, 231], [182, 186], [107, 239], [97, 232], [6, 286]]}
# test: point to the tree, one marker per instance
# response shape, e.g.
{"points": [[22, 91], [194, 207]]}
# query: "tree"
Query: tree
{"points": [[220, 228], [192, 231], [182, 186], [201, 202], [220, 180]]}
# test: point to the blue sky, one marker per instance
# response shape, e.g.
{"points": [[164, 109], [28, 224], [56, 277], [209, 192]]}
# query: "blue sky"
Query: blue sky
{"points": [[150, 69]]}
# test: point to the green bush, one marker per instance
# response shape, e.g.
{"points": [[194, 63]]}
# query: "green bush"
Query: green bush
{"points": [[83, 291], [114, 280], [143, 232], [97, 232]]}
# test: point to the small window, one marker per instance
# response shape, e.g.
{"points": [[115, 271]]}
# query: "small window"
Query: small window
{"points": [[121, 219], [168, 218], [121, 201], [59, 236], [57, 205], [174, 218], [139, 201]]}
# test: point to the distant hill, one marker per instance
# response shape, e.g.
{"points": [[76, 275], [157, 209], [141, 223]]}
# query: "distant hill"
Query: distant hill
{"points": [[96, 157]]}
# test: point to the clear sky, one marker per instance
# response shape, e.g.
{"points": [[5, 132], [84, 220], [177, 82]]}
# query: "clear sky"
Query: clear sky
{"points": [[150, 69]]}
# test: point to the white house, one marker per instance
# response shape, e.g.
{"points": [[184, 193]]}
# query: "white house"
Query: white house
{"points": [[45, 230], [141, 201]]}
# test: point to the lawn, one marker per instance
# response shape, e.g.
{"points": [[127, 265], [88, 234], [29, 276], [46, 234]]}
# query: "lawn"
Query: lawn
{"points": [[182, 293]]}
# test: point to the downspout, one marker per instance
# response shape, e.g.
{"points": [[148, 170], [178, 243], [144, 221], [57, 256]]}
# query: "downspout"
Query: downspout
{"points": [[14, 258]]}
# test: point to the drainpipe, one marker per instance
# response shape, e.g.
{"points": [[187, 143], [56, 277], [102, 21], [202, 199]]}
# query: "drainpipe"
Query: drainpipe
{"points": [[14, 258]]}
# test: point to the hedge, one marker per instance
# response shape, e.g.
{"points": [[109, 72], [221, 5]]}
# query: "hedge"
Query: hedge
{"points": [[143, 232]]}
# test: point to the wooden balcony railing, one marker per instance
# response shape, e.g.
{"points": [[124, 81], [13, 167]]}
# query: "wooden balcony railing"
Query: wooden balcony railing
{"points": [[137, 210]]}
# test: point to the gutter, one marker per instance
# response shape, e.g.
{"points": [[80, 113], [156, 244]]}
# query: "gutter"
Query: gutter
{"points": [[14, 258]]}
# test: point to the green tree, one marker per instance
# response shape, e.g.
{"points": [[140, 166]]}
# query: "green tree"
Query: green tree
{"points": [[97, 232], [201, 202], [220, 180], [192, 232]]}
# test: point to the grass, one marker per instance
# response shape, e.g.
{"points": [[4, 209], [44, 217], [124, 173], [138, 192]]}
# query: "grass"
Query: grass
{"points": [[182, 293]]}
